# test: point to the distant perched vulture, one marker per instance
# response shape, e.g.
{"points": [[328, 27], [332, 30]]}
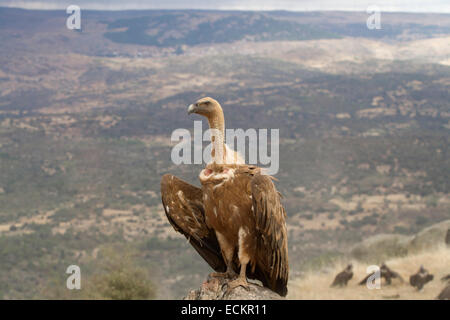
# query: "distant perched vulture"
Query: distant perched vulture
{"points": [[445, 293], [446, 278], [447, 237], [343, 277], [421, 278], [235, 221], [386, 273]]}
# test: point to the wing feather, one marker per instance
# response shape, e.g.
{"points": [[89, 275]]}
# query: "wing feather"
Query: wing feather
{"points": [[270, 218], [184, 209]]}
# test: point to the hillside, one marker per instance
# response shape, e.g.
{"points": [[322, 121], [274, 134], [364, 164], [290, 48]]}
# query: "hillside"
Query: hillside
{"points": [[86, 119], [425, 249]]}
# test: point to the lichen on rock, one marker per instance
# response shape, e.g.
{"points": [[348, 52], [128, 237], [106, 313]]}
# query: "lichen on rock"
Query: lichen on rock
{"points": [[216, 289]]}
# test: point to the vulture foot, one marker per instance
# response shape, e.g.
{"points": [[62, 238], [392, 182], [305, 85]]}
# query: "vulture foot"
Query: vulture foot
{"points": [[239, 282]]}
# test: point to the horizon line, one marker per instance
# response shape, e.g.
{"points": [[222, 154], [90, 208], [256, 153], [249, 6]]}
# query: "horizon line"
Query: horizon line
{"points": [[57, 8]]}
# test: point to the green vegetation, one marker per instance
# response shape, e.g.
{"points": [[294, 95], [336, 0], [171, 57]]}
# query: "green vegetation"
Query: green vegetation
{"points": [[118, 279]]}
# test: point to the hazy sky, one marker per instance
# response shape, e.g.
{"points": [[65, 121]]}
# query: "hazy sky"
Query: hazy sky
{"points": [[441, 6]]}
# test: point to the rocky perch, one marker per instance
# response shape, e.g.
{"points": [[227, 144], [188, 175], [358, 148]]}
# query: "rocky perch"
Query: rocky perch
{"points": [[216, 289]]}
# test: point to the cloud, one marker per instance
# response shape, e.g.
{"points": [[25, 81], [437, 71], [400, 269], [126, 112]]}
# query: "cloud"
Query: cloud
{"points": [[439, 6]]}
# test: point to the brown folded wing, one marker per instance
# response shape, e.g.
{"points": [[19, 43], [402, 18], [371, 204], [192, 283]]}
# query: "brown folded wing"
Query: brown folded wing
{"points": [[272, 256], [184, 209]]}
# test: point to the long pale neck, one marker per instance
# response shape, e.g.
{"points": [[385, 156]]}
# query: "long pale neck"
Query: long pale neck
{"points": [[217, 126]]}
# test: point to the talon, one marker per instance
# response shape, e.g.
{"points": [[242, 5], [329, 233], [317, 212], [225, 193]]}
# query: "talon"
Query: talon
{"points": [[238, 283]]}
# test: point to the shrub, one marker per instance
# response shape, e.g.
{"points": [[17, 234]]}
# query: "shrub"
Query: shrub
{"points": [[120, 278]]}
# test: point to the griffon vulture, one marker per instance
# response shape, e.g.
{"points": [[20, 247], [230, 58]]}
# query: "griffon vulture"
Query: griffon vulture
{"points": [[343, 277], [235, 221], [446, 278], [421, 278], [445, 293]]}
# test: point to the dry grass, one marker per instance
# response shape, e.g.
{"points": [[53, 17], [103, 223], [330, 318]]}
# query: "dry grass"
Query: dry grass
{"points": [[316, 285]]}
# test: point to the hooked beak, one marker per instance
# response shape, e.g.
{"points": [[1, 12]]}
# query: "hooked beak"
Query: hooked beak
{"points": [[191, 109]]}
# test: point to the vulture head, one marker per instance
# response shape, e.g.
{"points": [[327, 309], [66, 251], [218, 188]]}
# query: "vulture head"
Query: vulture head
{"points": [[207, 107]]}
